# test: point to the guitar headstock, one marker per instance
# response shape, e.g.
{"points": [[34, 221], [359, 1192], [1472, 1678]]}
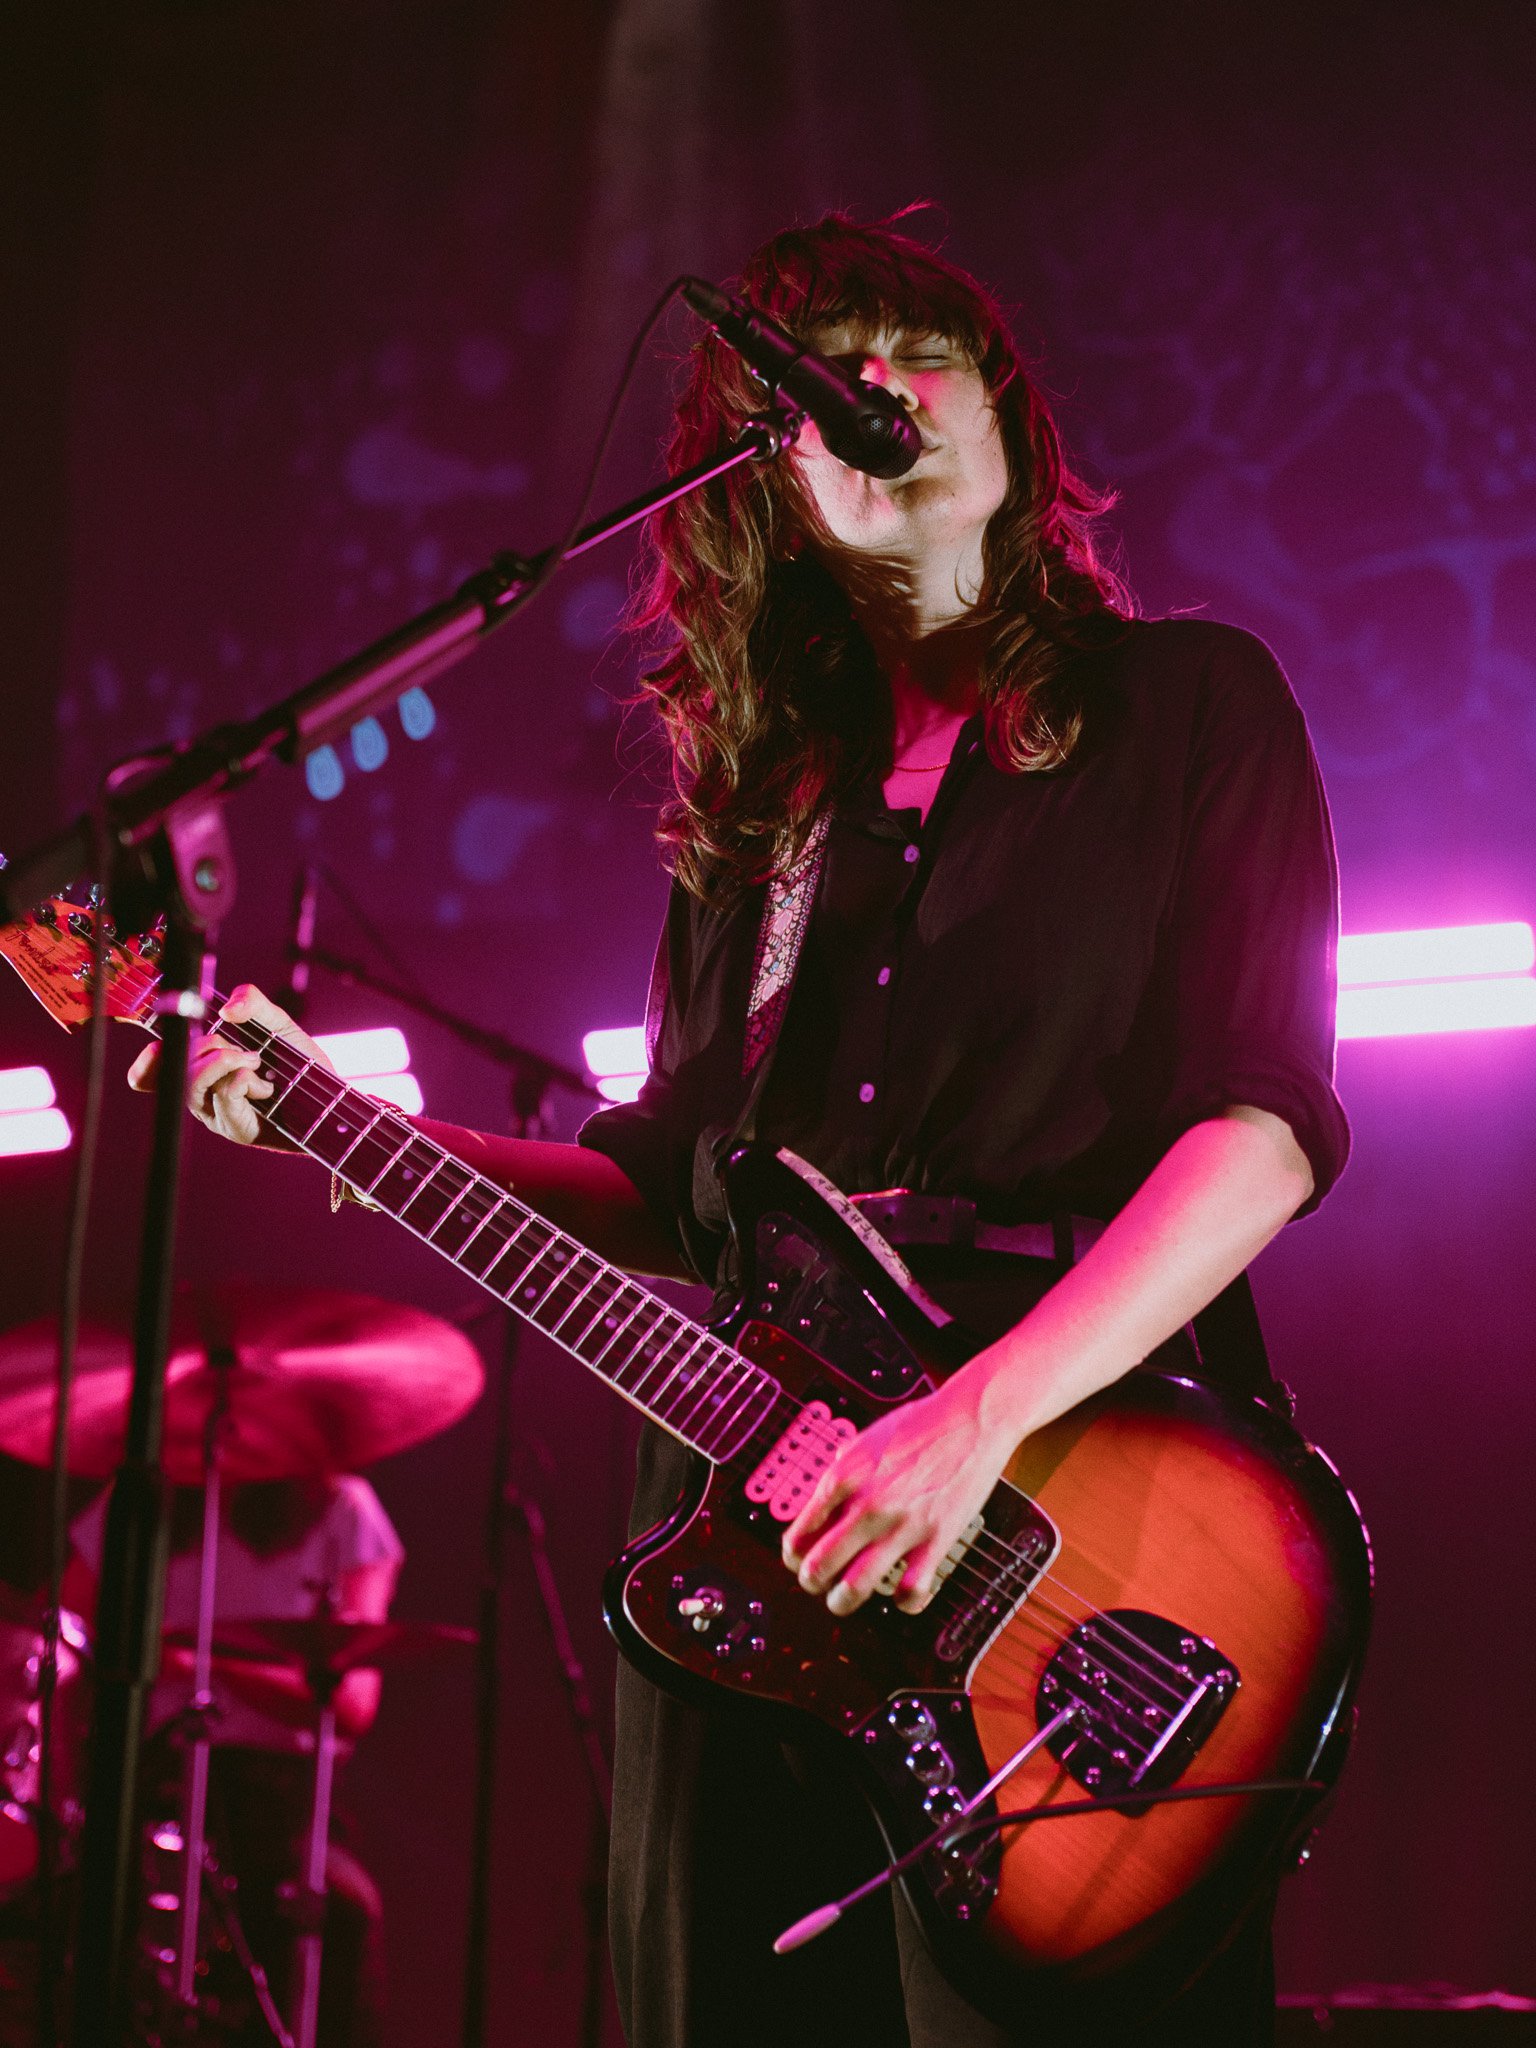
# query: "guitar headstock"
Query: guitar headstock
{"points": [[53, 950]]}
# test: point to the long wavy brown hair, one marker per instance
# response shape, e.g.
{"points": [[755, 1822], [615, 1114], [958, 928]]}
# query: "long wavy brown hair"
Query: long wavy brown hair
{"points": [[769, 692]]}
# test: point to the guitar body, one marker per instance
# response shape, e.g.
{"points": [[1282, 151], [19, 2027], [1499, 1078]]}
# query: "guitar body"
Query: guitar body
{"points": [[1232, 1542]]}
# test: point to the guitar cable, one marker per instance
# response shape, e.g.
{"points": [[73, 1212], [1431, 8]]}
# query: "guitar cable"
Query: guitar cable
{"points": [[952, 1832]]}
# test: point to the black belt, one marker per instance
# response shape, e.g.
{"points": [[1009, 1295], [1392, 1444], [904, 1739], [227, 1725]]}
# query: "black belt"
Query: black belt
{"points": [[905, 1219], [1225, 1335]]}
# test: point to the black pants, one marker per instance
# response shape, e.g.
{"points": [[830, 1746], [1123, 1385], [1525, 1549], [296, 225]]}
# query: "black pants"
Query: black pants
{"points": [[721, 1838]]}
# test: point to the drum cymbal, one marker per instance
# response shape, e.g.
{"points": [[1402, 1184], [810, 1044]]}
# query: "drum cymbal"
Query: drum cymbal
{"points": [[320, 1643], [316, 1382]]}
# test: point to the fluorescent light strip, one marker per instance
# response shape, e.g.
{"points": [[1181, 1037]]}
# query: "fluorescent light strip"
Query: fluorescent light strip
{"points": [[403, 1090], [620, 1087], [1404, 1009], [619, 1051], [33, 1130], [25, 1088], [1436, 955], [356, 1053]]}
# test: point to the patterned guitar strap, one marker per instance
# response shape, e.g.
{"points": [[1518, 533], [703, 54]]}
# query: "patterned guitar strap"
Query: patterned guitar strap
{"points": [[781, 934], [786, 914]]}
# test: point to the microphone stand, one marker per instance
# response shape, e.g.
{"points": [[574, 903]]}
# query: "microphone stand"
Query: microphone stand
{"points": [[170, 855]]}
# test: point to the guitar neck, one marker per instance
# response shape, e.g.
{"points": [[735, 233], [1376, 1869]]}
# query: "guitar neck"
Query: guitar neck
{"points": [[669, 1367]]}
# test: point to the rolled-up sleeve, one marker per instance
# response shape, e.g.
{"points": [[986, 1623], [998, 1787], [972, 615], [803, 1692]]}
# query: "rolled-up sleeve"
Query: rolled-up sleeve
{"points": [[1250, 945]]}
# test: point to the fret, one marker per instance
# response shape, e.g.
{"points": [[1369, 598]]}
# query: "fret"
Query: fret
{"points": [[275, 1102], [727, 1421], [604, 1288], [713, 1377], [441, 1236], [531, 1293], [568, 1287], [338, 1131], [661, 1395], [494, 1210], [308, 1072], [405, 1144], [575, 1302], [363, 1133], [427, 1178], [651, 1360], [617, 1329], [530, 1217]]}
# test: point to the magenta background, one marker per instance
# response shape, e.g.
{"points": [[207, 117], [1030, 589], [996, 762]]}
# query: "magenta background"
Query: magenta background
{"points": [[315, 307]]}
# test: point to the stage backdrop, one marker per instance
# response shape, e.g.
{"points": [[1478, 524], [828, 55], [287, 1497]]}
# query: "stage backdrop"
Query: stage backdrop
{"points": [[321, 306]]}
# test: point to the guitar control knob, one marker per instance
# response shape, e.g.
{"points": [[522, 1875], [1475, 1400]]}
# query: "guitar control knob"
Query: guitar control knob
{"points": [[704, 1605], [911, 1720], [944, 1804], [929, 1763]]}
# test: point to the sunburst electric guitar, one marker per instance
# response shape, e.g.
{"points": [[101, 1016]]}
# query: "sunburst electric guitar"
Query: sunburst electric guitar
{"points": [[1167, 1594]]}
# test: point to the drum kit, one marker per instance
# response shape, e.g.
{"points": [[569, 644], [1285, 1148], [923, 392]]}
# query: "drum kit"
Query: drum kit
{"points": [[263, 1385]]}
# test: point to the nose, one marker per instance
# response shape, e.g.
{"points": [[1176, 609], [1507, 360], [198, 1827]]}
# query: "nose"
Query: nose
{"points": [[882, 371]]}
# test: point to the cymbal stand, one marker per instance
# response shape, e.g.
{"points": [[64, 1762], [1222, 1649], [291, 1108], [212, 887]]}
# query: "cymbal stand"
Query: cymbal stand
{"points": [[222, 1905], [310, 1901], [203, 1707]]}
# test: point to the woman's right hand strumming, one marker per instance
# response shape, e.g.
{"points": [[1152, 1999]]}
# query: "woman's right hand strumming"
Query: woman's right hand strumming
{"points": [[224, 1090]]}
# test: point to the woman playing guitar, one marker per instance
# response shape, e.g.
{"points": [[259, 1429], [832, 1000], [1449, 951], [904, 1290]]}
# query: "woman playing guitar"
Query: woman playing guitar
{"points": [[1070, 957]]}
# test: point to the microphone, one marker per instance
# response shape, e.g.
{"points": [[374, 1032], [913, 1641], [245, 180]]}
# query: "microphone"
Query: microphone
{"points": [[862, 425], [301, 939]]}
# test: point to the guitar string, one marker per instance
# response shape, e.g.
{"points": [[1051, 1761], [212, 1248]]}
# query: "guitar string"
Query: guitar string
{"points": [[1011, 1560]]}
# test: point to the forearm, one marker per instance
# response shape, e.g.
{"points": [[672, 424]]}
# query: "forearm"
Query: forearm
{"points": [[581, 1191], [1214, 1201]]}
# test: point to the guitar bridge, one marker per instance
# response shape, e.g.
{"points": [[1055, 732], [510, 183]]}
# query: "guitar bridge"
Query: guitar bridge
{"points": [[1147, 1692]]}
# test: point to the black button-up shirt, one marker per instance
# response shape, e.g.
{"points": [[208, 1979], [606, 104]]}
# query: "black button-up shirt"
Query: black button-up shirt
{"points": [[1027, 997]]}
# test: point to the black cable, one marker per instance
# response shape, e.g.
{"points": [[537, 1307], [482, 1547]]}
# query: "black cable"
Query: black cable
{"points": [[71, 1289], [1118, 1802], [947, 1836], [368, 928], [556, 555]]}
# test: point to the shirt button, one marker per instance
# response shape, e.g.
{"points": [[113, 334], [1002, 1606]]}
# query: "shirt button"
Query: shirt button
{"points": [[867, 1092], [883, 976], [912, 856]]}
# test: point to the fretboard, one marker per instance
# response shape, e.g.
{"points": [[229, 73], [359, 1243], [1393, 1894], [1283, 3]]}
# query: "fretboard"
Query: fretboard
{"points": [[671, 1368]]}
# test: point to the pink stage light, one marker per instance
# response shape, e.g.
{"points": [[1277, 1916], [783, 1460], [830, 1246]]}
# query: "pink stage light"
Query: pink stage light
{"points": [[356, 1053], [1463, 977], [620, 1051], [1406, 1008], [25, 1088], [403, 1090], [1446, 953], [618, 1058], [378, 1062], [29, 1122], [33, 1130], [620, 1087]]}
